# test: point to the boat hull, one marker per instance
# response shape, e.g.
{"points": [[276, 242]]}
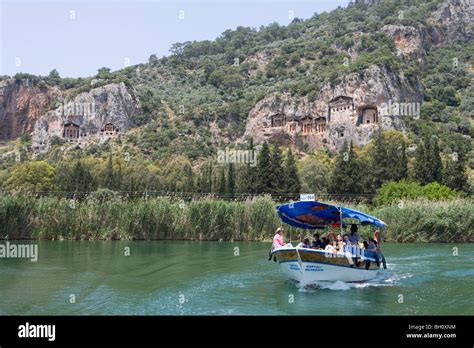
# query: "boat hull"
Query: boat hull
{"points": [[307, 266], [314, 272]]}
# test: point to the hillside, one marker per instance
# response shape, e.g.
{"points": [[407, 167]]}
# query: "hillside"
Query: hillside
{"points": [[312, 86]]}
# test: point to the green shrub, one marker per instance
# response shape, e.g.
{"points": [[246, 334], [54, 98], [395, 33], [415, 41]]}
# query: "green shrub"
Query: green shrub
{"points": [[392, 192]]}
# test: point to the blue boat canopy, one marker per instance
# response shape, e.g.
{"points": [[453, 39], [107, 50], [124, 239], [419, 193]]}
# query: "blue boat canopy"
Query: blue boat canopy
{"points": [[318, 215]]}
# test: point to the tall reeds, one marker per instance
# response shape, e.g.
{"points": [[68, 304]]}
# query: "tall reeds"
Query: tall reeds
{"points": [[209, 219]]}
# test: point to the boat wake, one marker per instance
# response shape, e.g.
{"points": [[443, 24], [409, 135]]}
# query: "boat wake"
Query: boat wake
{"points": [[382, 279]]}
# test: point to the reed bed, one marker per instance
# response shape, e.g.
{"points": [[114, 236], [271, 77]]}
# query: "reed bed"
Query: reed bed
{"points": [[210, 219]]}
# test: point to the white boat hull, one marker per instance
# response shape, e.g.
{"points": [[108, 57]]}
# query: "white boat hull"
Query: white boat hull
{"points": [[307, 266], [307, 273]]}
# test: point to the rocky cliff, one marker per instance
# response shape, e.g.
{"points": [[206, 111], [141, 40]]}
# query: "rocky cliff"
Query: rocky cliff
{"points": [[103, 111], [391, 95], [375, 88], [21, 105], [453, 21]]}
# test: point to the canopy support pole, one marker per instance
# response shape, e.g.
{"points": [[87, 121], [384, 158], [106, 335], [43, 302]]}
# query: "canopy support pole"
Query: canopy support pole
{"points": [[340, 218]]}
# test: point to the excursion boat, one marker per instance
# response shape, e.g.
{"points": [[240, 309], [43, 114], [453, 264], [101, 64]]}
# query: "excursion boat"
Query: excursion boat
{"points": [[308, 266]]}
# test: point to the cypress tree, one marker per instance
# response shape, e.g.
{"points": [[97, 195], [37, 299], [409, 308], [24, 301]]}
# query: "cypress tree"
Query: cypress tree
{"points": [[435, 160], [347, 177], [421, 169], [209, 179], [188, 171], [118, 178], [428, 166], [222, 182], [454, 174], [292, 180], [81, 178], [231, 180], [388, 160], [263, 178], [109, 173], [276, 171], [247, 179]]}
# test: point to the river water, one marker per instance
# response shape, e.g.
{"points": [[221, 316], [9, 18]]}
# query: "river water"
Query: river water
{"points": [[212, 278]]}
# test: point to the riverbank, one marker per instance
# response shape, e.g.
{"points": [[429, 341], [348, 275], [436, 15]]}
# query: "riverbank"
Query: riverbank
{"points": [[210, 219]]}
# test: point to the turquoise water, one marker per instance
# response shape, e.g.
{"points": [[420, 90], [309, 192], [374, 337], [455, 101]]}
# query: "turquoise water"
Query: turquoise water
{"points": [[212, 278]]}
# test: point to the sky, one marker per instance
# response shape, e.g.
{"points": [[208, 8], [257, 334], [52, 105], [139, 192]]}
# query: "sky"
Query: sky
{"points": [[79, 37]]}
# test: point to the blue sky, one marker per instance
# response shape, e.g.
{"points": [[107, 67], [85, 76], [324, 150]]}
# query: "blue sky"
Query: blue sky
{"points": [[79, 37]]}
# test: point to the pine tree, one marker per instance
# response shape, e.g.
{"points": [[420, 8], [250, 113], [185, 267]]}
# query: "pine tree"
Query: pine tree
{"points": [[291, 177]]}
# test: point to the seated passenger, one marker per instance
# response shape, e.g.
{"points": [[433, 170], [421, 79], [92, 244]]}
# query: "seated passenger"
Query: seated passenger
{"points": [[354, 236], [332, 247], [278, 238], [371, 250], [348, 245], [371, 245], [340, 243], [317, 243], [304, 244], [348, 250], [324, 242]]}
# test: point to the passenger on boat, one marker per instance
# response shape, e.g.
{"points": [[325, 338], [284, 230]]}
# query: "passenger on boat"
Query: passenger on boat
{"points": [[346, 249], [331, 247], [304, 244], [340, 242], [278, 241], [371, 250], [377, 252], [347, 243], [371, 245], [317, 243], [324, 242], [354, 236]]}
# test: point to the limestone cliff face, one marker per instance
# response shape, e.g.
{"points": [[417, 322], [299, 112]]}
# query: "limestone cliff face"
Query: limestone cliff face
{"points": [[453, 21], [368, 100], [103, 111], [350, 110], [21, 104], [409, 42]]}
